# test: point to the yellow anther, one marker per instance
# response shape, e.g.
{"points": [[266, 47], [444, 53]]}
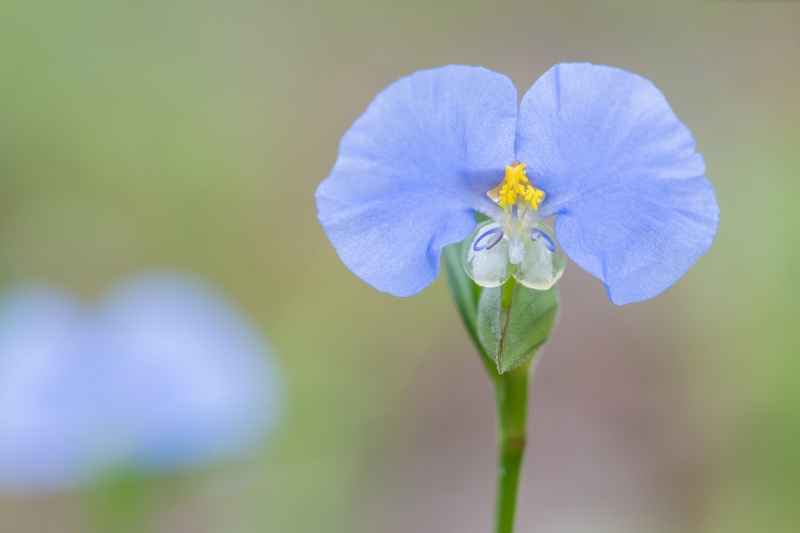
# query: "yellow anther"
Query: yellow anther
{"points": [[516, 183]]}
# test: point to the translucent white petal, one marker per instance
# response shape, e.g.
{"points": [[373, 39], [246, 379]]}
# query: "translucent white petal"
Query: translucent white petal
{"points": [[543, 263], [485, 258]]}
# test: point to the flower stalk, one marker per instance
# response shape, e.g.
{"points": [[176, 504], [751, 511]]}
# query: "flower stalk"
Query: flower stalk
{"points": [[511, 395], [508, 325]]}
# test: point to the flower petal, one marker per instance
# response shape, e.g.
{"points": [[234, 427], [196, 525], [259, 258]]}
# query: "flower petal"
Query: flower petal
{"points": [[621, 172], [165, 375], [412, 169], [193, 379], [43, 417]]}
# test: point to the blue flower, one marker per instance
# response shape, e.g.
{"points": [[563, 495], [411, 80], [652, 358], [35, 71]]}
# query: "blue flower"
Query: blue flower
{"points": [[596, 146], [163, 375]]}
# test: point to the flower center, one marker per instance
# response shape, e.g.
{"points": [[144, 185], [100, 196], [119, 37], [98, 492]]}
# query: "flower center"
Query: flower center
{"points": [[518, 200], [516, 183], [515, 242]]}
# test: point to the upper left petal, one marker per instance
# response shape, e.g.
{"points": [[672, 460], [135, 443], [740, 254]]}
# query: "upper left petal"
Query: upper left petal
{"points": [[412, 169]]}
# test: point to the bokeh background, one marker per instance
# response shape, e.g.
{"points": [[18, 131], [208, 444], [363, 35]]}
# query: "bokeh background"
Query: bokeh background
{"points": [[191, 135]]}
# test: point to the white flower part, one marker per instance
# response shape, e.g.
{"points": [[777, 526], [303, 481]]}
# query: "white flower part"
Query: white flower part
{"points": [[486, 257], [543, 263], [516, 249], [514, 243]]}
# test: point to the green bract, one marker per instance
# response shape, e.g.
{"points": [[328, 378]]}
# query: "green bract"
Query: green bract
{"points": [[508, 324]]}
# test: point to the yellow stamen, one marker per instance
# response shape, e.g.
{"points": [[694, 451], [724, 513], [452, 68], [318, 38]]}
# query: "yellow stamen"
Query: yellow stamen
{"points": [[516, 183]]}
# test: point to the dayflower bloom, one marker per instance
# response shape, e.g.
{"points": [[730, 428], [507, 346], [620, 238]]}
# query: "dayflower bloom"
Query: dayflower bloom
{"points": [[163, 374], [596, 146]]}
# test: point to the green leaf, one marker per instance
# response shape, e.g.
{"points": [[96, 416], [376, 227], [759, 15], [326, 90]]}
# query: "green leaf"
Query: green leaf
{"points": [[507, 324], [514, 321], [465, 291], [466, 294]]}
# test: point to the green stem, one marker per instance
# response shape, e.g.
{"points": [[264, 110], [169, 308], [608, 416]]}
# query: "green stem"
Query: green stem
{"points": [[511, 393], [123, 502]]}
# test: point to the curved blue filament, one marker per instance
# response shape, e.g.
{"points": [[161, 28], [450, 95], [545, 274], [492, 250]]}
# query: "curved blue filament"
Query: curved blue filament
{"points": [[488, 245], [548, 242]]}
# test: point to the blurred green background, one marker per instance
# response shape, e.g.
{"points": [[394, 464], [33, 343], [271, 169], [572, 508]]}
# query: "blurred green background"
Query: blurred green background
{"points": [[191, 135]]}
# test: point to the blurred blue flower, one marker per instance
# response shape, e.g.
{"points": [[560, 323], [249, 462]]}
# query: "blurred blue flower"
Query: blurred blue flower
{"points": [[597, 146], [163, 375]]}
